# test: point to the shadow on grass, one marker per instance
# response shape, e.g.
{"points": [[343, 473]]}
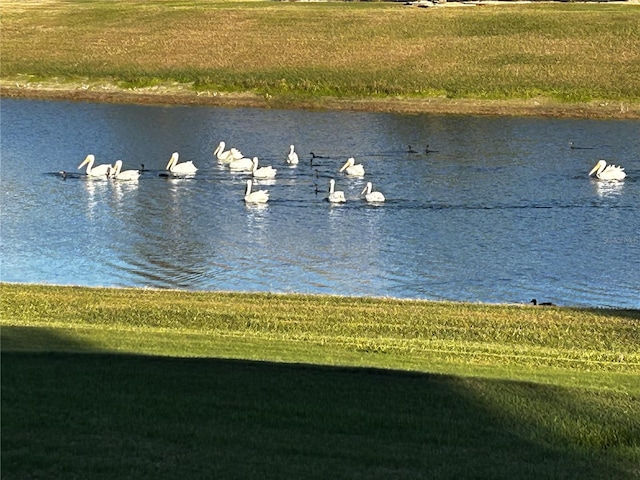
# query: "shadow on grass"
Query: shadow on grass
{"points": [[67, 415], [17, 338]]}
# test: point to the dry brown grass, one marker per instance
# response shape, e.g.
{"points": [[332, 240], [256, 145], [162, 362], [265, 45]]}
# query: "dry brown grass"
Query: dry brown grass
{"points": [[568, 52]]}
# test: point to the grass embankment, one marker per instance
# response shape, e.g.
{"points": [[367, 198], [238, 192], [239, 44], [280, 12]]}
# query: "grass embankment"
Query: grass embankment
{"points": [[95, 384], [558, 59]]}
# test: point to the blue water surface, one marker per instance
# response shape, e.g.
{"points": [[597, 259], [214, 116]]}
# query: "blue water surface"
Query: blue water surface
{"points": [[498, 210]]}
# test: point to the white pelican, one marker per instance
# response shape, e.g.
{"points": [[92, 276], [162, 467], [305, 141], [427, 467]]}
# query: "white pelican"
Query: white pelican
{"points": [[118, 174], [228, 155], [262, 172], [183, 168], [97, 171], [259, 196], [608, 172], [372, 196], [241, 165], [353, 169], [335, 196], [292, 158]]}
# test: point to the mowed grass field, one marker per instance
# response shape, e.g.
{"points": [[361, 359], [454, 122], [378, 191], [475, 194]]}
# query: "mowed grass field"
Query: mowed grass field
{"points": [[297, 52], [136, 383]]}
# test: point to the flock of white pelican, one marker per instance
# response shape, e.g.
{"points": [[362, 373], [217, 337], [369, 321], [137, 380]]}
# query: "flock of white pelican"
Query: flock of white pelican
{"points": [[237, 162]]}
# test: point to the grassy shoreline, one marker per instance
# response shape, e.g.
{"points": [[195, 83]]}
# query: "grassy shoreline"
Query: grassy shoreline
{"points": [[137, 383], [577, 60], [182, 95], [436, 337]]}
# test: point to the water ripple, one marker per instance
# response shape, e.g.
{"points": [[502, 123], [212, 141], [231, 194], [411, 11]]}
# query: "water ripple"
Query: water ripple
{"points": [[503, 211]]}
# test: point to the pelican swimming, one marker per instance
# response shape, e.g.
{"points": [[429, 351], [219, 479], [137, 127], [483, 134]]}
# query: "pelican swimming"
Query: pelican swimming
{"points": [[183, 168], [353, 169], [228, 155], [608, 172], [372, 196], [117, 173], [292, 158], [335, 196], [97, 171], [259, 196], [241, 165], [262, 172]]}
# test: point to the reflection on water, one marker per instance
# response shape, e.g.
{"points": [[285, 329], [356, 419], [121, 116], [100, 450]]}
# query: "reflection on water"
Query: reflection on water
{"points": [[498, 209], [608, 188]]}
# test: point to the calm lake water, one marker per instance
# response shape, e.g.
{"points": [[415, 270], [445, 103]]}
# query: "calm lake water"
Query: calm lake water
{"points": [[501, 210]]}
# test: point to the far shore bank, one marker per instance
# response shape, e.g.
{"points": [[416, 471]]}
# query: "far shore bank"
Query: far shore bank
{"points": [[539, 59], [184, 95]]}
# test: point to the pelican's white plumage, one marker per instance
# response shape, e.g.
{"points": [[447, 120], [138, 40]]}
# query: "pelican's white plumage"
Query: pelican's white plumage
{"points": [[226, 156], [259, 196], [98, 170], [607, 172], [353, 169], [184, 168], [118, 174], [292, 158], [244, 164], [263, 172], [372, 196], [335, 196]]}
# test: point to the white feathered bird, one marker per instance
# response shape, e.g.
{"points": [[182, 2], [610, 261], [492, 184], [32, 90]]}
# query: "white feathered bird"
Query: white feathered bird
{"points": [[184, 168], [259, 196], [335, 196], [244, 164], [292, 158], [97, 171], [608, 172], [118, 174], [226, 156], [372, 196], [353, 169], [262, 172]]}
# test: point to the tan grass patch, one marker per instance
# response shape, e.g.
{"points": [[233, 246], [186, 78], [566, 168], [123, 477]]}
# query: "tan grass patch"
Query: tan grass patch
{"points": [[354, 49]]}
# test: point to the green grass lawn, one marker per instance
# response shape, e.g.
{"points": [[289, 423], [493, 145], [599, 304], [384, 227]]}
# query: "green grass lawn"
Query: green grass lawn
{"points": [[566, 52], [131, 383], [97, 383]]}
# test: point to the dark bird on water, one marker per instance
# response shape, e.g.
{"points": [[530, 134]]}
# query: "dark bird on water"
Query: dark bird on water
{"points": [[313, 157], [427, 150], [575, 147], [546, 304]]}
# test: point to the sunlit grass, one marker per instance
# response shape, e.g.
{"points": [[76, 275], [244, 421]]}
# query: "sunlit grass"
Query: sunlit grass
{"points": [[459, 338], [568, 52], [96, 383]]}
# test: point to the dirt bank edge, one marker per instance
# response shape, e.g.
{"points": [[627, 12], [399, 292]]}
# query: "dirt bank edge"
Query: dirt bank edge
{"points": [[183, 95]]}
